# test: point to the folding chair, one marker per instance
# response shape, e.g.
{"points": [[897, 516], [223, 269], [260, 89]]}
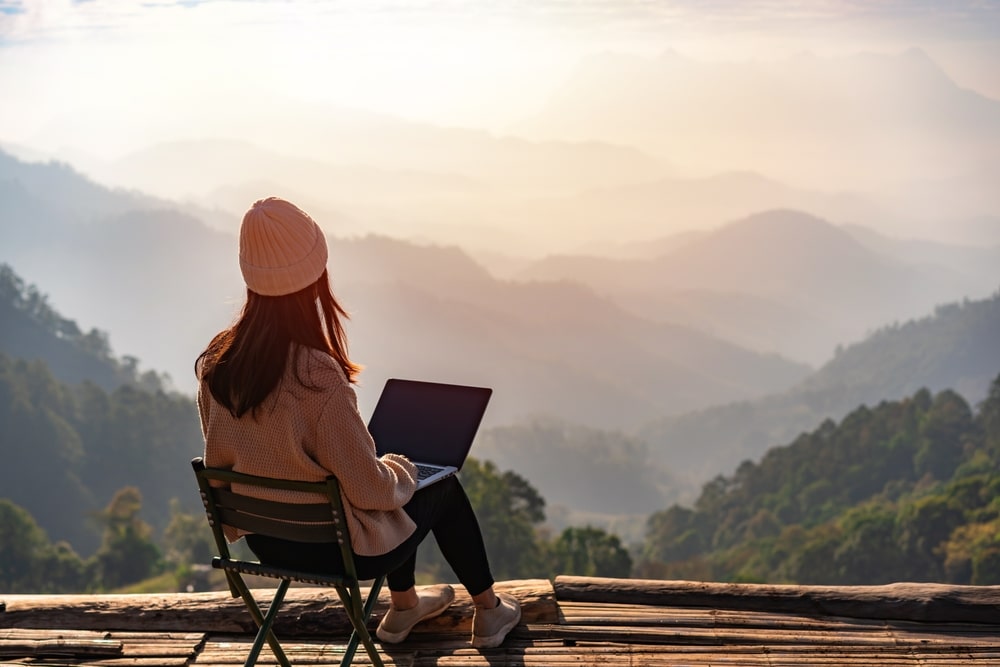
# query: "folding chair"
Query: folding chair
{"points": [[313, 522]]}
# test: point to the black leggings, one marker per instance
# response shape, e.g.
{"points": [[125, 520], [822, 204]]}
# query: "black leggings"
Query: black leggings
{"points": [[441, 508]]}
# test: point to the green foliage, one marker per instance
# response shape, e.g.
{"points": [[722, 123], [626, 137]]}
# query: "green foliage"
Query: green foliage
{"points": [[906, 490], [187, 538], [944, 432], [510, 513], [128, 553], [29, 563], [589, 552], [989, 418], [508, 509], [68, 448]]}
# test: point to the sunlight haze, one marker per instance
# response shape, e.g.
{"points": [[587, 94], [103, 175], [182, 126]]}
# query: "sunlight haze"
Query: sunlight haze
{"points": [[124, 74], [621, 146], [671, 235]]}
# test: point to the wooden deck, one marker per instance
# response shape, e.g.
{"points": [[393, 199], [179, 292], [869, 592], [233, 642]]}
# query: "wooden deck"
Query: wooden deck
{"points": [[571, 621]]}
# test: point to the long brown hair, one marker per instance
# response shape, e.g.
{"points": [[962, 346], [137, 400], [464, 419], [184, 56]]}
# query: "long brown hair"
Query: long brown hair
{"points": [[244, 363]]}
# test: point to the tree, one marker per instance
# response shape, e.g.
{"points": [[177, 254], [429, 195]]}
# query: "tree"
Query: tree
{"points": [[29, 563], [590, 552], [989, 419], [923, 527], [971, 555], [508, 509], [65, 571], [42, 451], [944, 432], [674, 534], [21, 543], [188, 537], [128, 554]]}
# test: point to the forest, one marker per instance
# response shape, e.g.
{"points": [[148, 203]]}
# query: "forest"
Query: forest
{"points": [[97, 494], [906, 490]]}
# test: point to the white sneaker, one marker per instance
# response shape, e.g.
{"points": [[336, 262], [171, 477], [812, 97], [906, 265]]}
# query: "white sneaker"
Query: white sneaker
{"points": [[490, 626], [432, 601]]}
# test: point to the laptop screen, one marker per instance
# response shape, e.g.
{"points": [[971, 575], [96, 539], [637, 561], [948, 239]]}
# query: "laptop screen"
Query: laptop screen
{"points": [[428, 421]]}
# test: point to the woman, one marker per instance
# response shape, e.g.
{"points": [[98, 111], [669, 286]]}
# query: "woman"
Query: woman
{"points": [[276, 400]]}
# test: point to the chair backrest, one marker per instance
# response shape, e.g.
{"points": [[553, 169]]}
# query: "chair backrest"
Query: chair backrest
{"points": [[301, 522]]}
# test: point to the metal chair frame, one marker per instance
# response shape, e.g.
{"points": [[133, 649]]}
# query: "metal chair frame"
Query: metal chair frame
{"points": [[308, 522]]}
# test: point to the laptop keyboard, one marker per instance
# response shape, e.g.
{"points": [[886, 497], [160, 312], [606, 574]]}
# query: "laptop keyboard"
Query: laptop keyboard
{"points": [[425, 471]]}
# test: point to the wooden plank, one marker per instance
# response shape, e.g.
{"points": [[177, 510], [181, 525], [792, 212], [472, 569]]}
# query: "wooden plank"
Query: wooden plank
{"points": [[140, 662], [906, 601], [41, 633], [315, 652], [15, 648], [157, 636], [576, 613], [306, 611], [166, 650], [589, 655], [298, 654]]}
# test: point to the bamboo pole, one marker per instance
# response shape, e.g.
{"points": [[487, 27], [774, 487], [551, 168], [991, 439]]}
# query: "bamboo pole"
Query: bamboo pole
{"points": [[305, 612], [923, 602]]}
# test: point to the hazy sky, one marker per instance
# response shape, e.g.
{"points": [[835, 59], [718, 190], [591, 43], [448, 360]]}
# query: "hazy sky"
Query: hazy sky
{"points": [[108, 76]]}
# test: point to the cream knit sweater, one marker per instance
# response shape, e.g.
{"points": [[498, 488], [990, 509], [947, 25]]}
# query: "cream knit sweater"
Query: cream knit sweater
{"points": [[303, 434]]}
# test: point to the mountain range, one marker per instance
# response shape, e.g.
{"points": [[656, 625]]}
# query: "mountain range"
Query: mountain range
{"points": [[784, 281], [571, 345], [956, 347], [161, 283]]}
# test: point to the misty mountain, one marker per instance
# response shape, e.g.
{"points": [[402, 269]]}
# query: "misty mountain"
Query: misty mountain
{"points": [[31, 329], [866, 122], [72, 200], [165, 169], [364, 157], [162, 284], [783, 280], [956, 347], [139, 274], [588, 471], [551, 348], [638, 219], [981, 261], [381, 175]]}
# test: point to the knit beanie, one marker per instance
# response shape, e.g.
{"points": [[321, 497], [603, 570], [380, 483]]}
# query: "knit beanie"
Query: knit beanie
{"points": [[282, 249]]}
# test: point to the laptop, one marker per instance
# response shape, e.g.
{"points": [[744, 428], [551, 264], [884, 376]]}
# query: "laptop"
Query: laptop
{"points": [[431, 423]]}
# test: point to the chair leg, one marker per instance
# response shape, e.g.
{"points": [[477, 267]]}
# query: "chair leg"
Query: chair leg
{"points": [[263, 623], [358, 616], [265, 633]]}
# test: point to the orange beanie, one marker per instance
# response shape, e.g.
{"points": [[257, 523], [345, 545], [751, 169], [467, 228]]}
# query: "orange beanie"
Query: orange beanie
{"points": [[282, 249]]}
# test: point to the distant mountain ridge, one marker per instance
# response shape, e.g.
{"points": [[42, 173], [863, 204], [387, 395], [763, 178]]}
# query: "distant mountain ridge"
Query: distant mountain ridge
{"points": [[31, 329], [645, 212], [958, 347], [162, 284], [783, 280]]}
